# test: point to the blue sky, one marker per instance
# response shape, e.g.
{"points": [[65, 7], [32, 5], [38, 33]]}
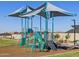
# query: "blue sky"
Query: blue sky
{"points": [[61, 24]]}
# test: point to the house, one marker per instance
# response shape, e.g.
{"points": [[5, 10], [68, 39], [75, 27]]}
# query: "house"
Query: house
{"points": [[16, 35], [6, 35], [70, 33], [72, 30], [11, 35]]}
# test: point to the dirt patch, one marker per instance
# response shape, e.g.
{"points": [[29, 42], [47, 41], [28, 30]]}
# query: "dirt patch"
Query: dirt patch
{"points": [[25, 52]]}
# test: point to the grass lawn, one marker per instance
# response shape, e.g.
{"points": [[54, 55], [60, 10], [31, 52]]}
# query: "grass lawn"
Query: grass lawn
{"points": [[7, 42], [72, 53]]}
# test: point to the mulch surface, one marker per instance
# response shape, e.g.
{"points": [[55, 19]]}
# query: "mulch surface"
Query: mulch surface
{"points": [[15, 51]]}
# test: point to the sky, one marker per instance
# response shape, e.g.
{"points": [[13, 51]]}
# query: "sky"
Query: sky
{"points": [[13, 24]]}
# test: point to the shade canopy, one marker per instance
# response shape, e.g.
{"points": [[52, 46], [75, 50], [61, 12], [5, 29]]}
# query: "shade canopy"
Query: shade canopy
{"points": [[42, 10], [20, 11], [32, 13], [54, 10]]}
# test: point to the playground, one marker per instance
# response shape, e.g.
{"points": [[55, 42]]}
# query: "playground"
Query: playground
{"points": [[34, 42]]}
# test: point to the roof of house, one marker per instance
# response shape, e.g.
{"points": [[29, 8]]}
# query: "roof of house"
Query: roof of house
{"points": [[77, 26], [5, 34], [72, 30]]}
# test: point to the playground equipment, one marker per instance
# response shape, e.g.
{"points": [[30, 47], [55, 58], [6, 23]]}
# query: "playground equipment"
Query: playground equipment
{"points": [[47, 11], [37, 38], [17, 13]]}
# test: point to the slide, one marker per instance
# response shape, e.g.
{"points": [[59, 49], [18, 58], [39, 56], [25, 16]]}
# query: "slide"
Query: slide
{"points": [[52, 45]]}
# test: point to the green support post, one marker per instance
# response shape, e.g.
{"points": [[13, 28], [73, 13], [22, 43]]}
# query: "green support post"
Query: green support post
{"points": [[40, 24], [27, 43], [31, 23], [25, 26], [25, 35], [52, 28], [46, 29], [22, 26], [22, 33], [34, 44], [28, 24]]}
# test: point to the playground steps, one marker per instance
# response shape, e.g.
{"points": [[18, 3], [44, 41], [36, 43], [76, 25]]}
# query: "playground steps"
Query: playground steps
{"points": [[52, 45]]}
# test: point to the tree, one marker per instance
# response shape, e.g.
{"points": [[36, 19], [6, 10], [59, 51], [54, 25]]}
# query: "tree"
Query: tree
{"points": [[56, 36], [67, 37]]}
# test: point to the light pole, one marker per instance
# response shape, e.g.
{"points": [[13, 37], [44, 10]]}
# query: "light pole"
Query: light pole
{"points": [[74, 30]]}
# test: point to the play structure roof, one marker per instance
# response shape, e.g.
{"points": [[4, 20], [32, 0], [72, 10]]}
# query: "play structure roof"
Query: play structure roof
{"points": [[32, 13], [54, 11], [20, 11]]}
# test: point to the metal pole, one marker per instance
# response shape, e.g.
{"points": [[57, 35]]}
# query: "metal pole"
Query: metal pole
{"points": [[74, 31], [40, 23], [52, 28], [28, 24], [22, 25], [46, 28], [31, 22], [25, 25]]}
